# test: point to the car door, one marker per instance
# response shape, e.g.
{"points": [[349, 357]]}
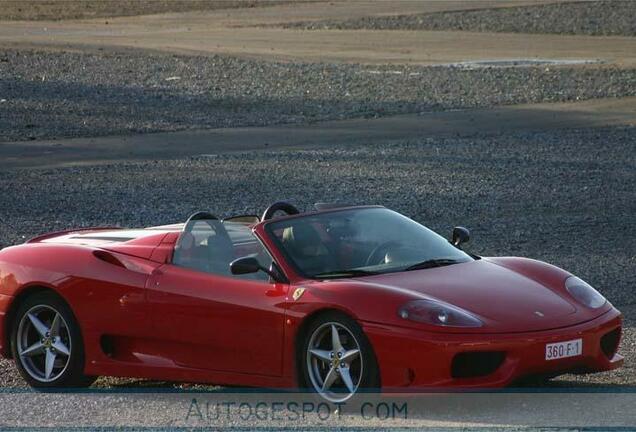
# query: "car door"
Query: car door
{"points": [[207, 318]]}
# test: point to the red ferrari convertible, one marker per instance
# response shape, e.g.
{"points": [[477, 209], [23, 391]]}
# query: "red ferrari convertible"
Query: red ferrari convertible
{"points": [[335, 300]]}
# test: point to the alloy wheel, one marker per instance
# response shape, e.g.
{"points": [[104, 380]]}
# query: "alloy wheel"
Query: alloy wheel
{"points": [[334, 362], [43, 343]]}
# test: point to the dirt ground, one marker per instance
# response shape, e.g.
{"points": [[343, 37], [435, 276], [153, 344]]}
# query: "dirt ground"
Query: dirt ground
{"points": [[55, 10], [239, 32], [466, 123]]}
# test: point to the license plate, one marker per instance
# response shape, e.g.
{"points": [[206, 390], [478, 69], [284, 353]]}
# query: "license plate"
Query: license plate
{"points": [[565, 349]]}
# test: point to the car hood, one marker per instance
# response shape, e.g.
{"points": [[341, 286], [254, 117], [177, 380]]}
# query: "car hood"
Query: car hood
{"points": [[504, 299]]}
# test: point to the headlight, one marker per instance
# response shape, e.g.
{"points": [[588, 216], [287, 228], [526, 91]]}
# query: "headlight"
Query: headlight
{"points": [[437, 313], [584, 293]]}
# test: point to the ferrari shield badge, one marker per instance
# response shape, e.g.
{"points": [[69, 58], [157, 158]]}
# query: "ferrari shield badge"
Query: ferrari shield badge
{"points": [[298, 292]]}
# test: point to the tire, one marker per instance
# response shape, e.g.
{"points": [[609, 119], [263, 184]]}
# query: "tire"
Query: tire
{"points": [[326, 366], [48, 353]]}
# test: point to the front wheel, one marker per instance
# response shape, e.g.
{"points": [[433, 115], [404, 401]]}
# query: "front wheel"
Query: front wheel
{"points": [[338, 358], [47, 343]]}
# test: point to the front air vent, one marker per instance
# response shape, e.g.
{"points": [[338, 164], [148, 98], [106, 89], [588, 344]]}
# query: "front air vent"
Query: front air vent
{"points": [[476, 364], [609, 342]]}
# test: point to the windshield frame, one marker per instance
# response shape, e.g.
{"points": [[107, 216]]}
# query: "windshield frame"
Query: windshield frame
{"points": [[267, 227]]}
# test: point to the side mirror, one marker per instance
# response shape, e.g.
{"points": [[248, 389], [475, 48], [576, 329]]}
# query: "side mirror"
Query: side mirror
{"points": [[244, 265], [460, 235], [247, 265]]}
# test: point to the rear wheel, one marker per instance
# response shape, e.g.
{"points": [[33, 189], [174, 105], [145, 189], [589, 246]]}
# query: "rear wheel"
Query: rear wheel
{"points": [[338, 358], [47, 344]]}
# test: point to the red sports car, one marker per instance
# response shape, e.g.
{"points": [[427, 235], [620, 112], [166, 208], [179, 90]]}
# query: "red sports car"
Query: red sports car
{"points": [[335, 300]]}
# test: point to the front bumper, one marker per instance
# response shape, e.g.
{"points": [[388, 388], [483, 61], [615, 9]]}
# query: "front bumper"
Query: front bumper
{"points": [[409, 358]]}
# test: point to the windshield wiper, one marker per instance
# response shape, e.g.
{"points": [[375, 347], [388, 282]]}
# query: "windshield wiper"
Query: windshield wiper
{"points": [[344, 273], [432, 263]]}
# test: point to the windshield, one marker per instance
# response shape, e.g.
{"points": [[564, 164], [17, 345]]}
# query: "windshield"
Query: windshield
{"points": [[361, 241]]}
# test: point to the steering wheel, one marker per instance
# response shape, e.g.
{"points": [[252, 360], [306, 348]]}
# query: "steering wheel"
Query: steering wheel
{"points": [[282, 206], [380, 251]]}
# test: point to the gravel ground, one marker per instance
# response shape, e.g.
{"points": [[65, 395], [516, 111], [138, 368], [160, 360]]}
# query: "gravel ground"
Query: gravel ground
{"points": [[50, 94], [567, 197], [607, 17], [33, 10]]}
